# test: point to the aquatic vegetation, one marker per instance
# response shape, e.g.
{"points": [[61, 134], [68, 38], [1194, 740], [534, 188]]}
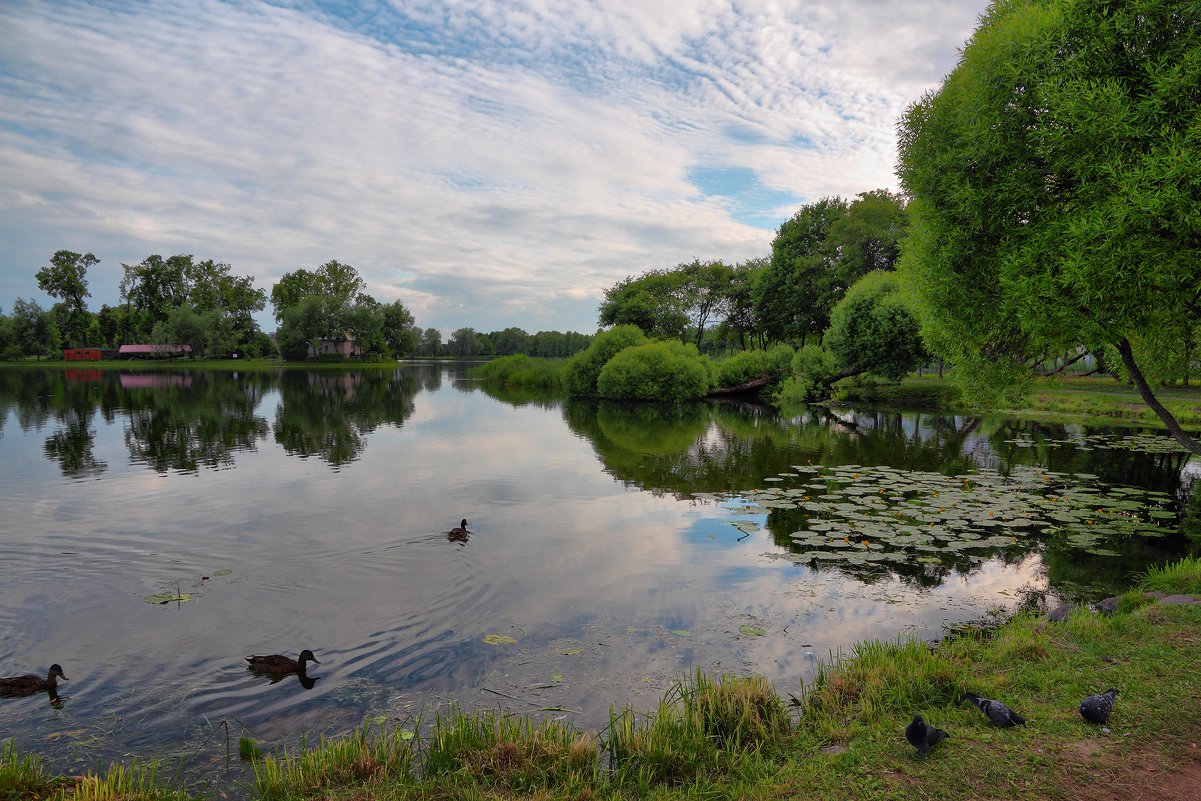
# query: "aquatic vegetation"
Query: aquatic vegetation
{"points": [[499, 639], [859, 514], [520, 370]]}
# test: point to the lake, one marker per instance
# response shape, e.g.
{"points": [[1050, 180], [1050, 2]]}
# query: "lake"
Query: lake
{"points": [[157, 527]]}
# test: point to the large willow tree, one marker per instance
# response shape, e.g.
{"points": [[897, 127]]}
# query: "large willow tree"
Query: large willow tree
{"points": [[1056, 191]]}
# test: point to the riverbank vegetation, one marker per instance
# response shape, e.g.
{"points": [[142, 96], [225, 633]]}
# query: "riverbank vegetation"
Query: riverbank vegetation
{"points": [[730, 736]]}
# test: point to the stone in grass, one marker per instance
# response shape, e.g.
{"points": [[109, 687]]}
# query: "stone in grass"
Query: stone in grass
{"points": [[1178, 599], [1060, 613], [1109, 605]]}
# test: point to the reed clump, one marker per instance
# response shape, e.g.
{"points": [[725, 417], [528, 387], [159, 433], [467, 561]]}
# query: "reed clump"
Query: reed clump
{"points": [[511, 752], [24, 778], [364, 758], [703, 726]]}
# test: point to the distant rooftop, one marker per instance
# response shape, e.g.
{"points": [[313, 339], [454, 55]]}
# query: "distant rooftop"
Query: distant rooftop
{"points": [[155, 349]]}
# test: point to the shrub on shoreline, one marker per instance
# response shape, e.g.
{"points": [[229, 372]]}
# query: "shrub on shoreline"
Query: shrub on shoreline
{"points": [[664, 371]]}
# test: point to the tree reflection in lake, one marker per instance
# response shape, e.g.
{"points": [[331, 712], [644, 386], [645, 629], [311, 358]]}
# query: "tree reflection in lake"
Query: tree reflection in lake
{"points": [[183, 421], [328, 415]]}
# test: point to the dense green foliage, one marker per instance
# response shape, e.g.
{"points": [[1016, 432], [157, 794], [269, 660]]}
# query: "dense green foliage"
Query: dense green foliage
{"points": [[670, 303], [817, 254], [667, 371], [873, 329], [748, 365], [66, 278], [585, 367], [1057, 191], [813, 372]]}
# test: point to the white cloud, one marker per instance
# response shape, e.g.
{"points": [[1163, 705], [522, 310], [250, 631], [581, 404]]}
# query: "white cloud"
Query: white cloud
{"points": [[514, 154]]}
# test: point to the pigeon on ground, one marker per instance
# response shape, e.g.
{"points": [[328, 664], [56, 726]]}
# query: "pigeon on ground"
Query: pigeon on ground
{"points": [[922, 735], [997, 712], [1096, 708]]}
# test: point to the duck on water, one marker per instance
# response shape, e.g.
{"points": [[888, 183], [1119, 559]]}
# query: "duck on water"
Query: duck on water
{"points": [[13, 686]]}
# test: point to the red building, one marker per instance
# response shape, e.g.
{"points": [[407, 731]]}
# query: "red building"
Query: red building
{"points": [[82, 355]]}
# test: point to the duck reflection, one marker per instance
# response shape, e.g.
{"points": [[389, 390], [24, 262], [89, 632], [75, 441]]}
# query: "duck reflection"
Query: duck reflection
{"points": [[276, 667], [55, 699]]}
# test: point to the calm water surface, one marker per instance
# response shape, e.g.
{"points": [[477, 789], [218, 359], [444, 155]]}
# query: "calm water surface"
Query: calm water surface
{"points": [[311, 510]]}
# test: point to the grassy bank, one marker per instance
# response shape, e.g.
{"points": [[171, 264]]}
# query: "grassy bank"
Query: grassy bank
{"points": [[1095, 399], [735, 737]]}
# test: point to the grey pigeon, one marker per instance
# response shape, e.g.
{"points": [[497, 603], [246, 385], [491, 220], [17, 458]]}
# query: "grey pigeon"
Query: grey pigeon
{"points": [[997, 712], [923, 736], [1096, 708]]}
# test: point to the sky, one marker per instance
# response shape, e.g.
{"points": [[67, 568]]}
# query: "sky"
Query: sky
{"points": [[490, 163]]}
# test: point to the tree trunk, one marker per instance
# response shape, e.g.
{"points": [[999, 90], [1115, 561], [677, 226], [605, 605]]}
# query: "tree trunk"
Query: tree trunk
{"points": [[753, 385], [1181, 436]]}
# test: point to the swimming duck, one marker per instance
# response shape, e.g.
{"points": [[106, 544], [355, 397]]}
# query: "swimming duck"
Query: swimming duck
{"points": [[459, 530], [278, 663], [30, 684]]}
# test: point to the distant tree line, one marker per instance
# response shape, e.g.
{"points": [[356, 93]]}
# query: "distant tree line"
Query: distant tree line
{"points": [[468, 343], [321, 313]]}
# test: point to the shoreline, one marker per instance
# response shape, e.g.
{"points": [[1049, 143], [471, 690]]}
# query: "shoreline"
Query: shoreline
{"points": [[736, 737]]}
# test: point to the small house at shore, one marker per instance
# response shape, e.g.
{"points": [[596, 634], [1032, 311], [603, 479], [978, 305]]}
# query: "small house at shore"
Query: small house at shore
{"points": [[345, 348], [82, 354], [154, 351]]}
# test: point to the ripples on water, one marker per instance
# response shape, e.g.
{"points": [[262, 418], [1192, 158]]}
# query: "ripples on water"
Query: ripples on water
{"points": [[312, 510]]}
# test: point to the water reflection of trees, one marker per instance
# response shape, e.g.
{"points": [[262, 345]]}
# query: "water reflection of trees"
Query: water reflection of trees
{"points": [[185, 420], [733, 447], [328, 415], [39, 397], [173, 424]]}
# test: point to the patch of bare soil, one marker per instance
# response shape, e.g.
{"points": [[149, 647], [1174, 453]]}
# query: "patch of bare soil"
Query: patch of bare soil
{"points": [[1146, 776]]}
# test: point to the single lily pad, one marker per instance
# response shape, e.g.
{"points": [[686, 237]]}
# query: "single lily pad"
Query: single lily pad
{"points": [[166, 599], [499, 639]]}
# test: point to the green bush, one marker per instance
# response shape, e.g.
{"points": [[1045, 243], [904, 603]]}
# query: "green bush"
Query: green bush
{"points": [[667, 371], [873, 329], [585, 367], [744, 367], [813, 372]]}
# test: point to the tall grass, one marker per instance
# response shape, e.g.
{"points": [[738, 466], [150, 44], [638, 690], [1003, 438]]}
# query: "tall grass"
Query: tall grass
{"points": [[524, 371], [363, 758], [134, 782], [24, 778], [1183, 577], [511, 752], [880, 679], [702, 726]]}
